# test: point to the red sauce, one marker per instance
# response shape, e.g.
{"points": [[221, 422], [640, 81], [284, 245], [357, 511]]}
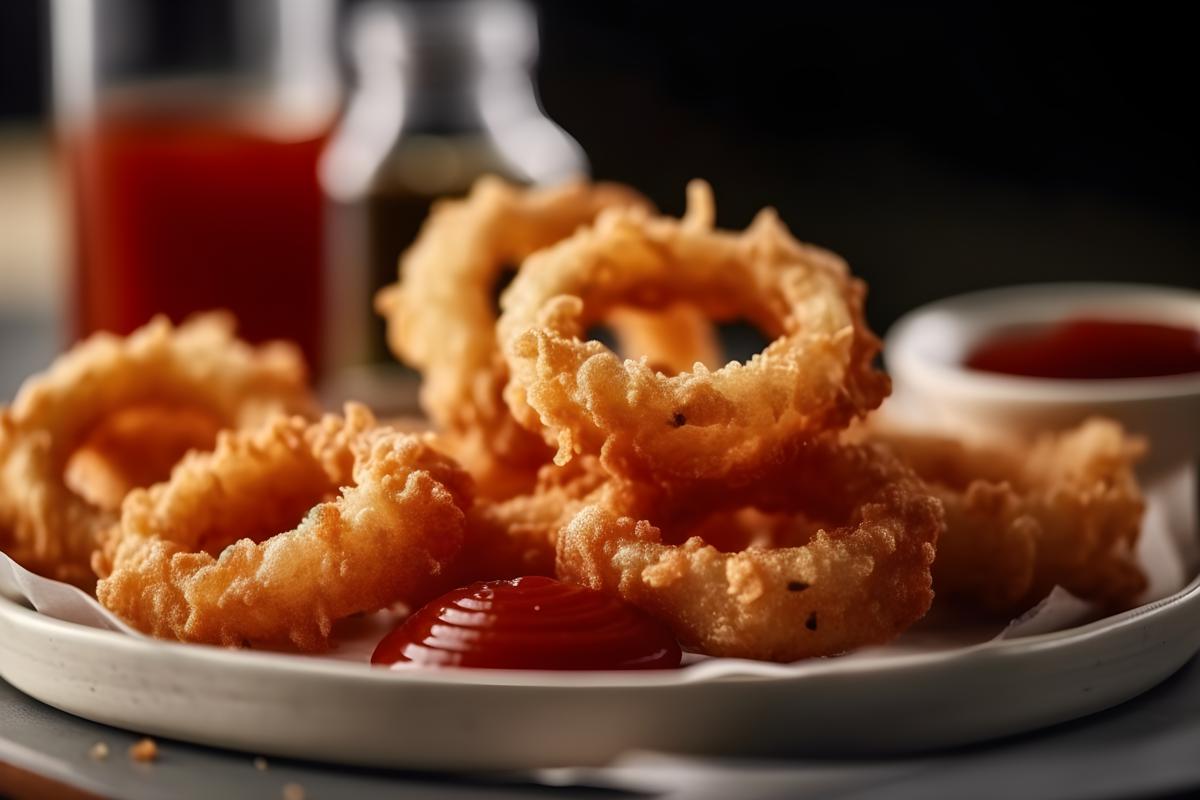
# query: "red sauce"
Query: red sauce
{"points": [[1092, 349], [530, 623], [179, 212]]}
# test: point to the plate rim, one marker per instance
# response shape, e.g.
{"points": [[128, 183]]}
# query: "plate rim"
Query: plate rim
{"points": [[1187, 598]]}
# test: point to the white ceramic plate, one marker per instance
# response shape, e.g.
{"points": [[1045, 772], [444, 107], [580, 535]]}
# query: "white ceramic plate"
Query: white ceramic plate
{"points": [[304, 707], [938, 685]]}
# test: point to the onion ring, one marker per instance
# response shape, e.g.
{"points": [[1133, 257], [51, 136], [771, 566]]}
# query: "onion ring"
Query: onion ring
{"points": [[441, 318], [1022, 518], [198, 558], [737, 423], [860, 580], [198, 365]]}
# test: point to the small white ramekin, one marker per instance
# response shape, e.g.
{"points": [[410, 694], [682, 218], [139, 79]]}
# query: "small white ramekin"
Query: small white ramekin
{"points": [[924, 352]]}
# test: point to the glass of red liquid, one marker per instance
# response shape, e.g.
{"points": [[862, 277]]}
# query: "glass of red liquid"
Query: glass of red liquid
{"points": [[190, 132]]}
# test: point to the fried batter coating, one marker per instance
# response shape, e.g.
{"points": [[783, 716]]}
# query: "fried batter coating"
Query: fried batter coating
{"points": [[441, 316], [136, 447], [201, 558], [45, 524], [1022, 518], [862, 576], [739, 422], [516, 537]]}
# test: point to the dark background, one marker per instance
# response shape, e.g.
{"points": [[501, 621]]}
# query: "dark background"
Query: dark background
{"points": [[939, 147]]}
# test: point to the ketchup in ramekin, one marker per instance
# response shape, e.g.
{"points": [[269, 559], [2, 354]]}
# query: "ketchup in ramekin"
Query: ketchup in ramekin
{"points": [[532, 623], [1091, 349], [1020, 360]]}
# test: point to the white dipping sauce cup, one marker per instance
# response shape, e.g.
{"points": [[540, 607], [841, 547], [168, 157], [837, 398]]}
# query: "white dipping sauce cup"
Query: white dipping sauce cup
{"points": [[925, 351]]}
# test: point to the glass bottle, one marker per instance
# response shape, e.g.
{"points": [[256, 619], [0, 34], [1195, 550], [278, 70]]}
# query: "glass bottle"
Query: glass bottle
{"points": [[444, 93]]}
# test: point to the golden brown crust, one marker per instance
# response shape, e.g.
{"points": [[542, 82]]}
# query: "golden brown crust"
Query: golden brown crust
{"points": [[197, 365], [136, 447], [1022, 518], [516, 537], [441, 318], [214, 554], [439, 313], [861, 577], [737, 423]]}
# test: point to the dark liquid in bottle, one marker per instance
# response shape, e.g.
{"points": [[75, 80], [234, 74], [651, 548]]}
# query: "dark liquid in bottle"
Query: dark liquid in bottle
{"points": [[390, 219], [367, 239]]}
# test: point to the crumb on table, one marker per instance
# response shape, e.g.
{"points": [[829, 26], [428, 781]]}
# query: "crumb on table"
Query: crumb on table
{"points": [[145, 750]]}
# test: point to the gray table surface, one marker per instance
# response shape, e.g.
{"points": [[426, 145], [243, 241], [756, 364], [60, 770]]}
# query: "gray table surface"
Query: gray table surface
{"points": [[40, 739], [1149, 747]]}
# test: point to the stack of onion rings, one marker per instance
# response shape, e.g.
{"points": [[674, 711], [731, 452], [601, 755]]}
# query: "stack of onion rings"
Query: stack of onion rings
{"points": [[689, 452], [861, 577], [441, 317], [737, 423], [738, 505]]}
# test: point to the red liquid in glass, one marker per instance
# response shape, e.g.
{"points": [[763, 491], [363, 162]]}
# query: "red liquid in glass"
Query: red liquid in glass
{"points": [[1092, 349], [176, 214]]}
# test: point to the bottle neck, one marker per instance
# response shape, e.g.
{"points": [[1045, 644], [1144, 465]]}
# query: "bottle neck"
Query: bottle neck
{"points": [[496, 107], [446, 105], [449, 103]]}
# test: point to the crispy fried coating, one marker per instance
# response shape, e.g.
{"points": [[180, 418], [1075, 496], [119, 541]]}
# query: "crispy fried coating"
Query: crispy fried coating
{"points": [[215, 555], [136, 447], [516, 537], [47, 525], [861, 577], [739, 422], [737, 504], [1022, 518], [441, 316]]}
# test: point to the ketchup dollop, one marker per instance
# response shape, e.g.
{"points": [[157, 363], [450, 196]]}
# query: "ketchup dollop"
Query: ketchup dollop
{"points": [[1092, 349], [530, 623]]}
